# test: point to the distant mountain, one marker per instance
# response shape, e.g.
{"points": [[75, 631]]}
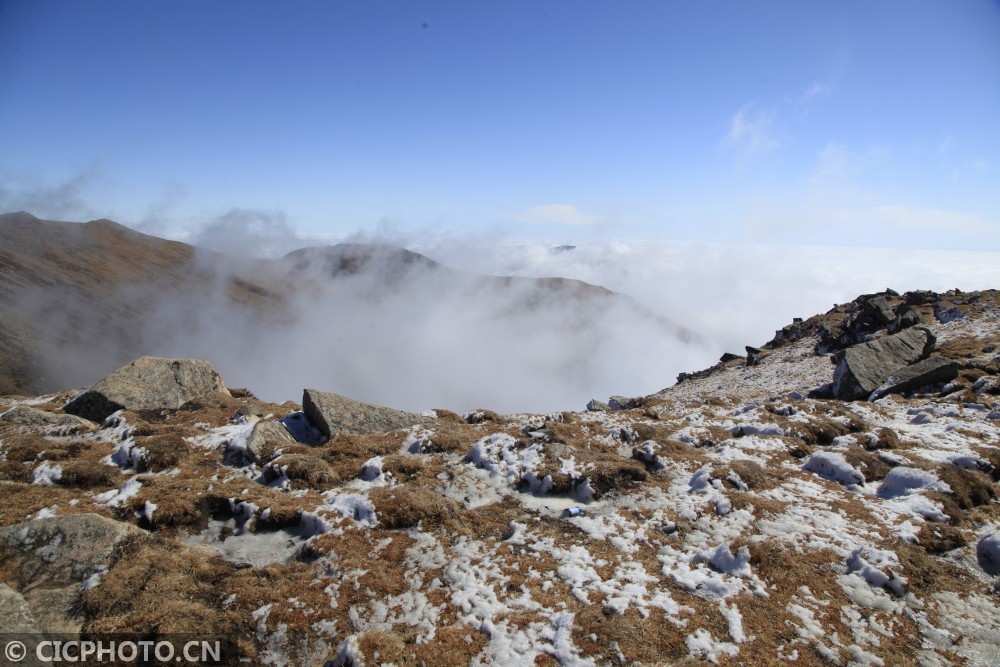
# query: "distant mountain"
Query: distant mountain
{"points": [[80, 299]]}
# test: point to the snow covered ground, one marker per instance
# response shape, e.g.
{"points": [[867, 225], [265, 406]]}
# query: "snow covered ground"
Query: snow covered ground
{"points": [[730, 519]]}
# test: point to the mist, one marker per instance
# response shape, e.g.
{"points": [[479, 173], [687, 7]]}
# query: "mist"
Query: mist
{"points": [[423, 336], [732, 294], [442, 331]]}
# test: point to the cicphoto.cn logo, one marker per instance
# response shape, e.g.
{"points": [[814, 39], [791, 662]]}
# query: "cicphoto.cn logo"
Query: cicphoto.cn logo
{"points": [[118, 650]]}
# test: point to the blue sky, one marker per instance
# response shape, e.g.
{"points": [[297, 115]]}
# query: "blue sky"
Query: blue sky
{"points": [[848, 123]]}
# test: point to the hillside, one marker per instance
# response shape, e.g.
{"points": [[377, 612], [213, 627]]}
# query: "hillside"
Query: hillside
{"points": [[743, 516]]}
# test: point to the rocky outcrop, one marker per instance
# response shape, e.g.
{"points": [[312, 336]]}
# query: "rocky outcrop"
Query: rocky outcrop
{"points": [[863, 368], [51, 559], [930, 371], [63, 550], [24, 415], [333, 413], [148, 383]]}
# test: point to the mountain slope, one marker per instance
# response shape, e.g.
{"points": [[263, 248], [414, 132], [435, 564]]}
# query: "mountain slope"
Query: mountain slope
{"points": [[731, 519]]}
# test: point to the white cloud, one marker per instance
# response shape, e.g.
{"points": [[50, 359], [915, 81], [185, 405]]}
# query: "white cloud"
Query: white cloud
{"points": [[814, 90], [751, 130], [734, 294], [559, 214]]}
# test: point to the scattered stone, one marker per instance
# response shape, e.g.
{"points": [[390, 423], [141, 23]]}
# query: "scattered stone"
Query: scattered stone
{"points": [[945, 315], [333, 413], [265, 438], [148, 383], [624, 403], [863, 368], [932, 370], [729, 356], [988, 384], [248, 412], [595, 405]]}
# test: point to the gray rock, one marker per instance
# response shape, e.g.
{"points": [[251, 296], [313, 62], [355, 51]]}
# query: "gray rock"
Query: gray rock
{"points": [[863, 368], [267, 437], [15, 615], [729, 356], [64, 550], [249, 411], [932, 370], [148, 383], [595, 405], [879, 310], [945, 315], [624, 403], [24, 415], [333, 413], [910, 317]]}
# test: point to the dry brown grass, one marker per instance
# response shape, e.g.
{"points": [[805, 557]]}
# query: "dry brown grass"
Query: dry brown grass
{"points": [[401, 507], [453, 438], [89, 475], [868, 463], [753, 475], [155, 588], [448, 417], [15, 471], [970, 488], [991, 454], [886, 438], [480, 416], [821, 430], [307, 471], [453, 646], [963, 347], [25, 447], [22, 502], [937, 538]]}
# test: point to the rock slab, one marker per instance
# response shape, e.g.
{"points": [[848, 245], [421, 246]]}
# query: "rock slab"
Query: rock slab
{"points": [[24, 415], [148, 383], [64, 550], [51, 559], [333, 413], [863, 368], [932, 370]]}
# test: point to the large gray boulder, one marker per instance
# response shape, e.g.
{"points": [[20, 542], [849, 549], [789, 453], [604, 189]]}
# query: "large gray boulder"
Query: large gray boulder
{"points": [[333, 413], [932, 370], [148, 383], [863, 368]]}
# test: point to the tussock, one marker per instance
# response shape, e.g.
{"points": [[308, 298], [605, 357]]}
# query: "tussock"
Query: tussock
{"points": [[89, 475], [970, 488], [405, 507]]}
